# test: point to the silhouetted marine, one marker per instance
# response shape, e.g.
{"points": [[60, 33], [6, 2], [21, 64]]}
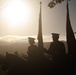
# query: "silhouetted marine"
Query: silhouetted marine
{"points": [[38, 63], [57, 50], [32, 51], [15, 65], [33, 56]]}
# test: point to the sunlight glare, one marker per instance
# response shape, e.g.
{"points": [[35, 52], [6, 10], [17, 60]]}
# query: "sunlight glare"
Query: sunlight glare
{"points": [[17, 13]]}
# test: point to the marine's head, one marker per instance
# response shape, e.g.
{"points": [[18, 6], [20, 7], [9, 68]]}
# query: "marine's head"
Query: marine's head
{"points": [[31, 40], [55, 36]]}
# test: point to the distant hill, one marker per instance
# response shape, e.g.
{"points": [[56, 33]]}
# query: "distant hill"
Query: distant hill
{"points": [[20, 47]]}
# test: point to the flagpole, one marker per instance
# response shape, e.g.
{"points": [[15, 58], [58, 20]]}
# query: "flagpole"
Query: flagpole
{"points": [[40, 36]]}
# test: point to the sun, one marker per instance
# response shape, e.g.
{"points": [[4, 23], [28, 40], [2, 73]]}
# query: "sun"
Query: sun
{"points": [[17, 13]]}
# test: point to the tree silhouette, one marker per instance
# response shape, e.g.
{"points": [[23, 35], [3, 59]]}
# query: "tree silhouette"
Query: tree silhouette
{"points": [[55, 2]]}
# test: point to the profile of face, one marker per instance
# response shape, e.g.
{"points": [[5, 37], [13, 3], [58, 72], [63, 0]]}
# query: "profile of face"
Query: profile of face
{"points": [[55, 38], [31, 42]]}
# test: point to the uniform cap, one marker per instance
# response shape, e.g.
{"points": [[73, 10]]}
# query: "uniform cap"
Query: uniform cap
{"points": [[31, 39], [55, 34]]}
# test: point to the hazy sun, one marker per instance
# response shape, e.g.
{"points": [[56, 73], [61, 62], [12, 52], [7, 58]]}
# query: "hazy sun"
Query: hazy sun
{"points": [[17, 13]]}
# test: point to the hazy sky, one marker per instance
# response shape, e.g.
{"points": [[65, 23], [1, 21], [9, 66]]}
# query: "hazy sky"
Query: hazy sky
{"points": [[20, 17]]}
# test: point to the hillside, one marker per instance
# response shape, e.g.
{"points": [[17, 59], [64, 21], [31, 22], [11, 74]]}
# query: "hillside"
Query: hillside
{"points": [[20, 47]]}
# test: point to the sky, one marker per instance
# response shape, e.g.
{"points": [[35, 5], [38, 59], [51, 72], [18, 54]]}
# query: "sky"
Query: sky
{"points": [[21, 18]]}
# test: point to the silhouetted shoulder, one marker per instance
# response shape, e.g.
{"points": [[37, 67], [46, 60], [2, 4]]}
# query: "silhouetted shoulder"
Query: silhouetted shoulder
{"points": [[60, 42], [33, 47]]}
